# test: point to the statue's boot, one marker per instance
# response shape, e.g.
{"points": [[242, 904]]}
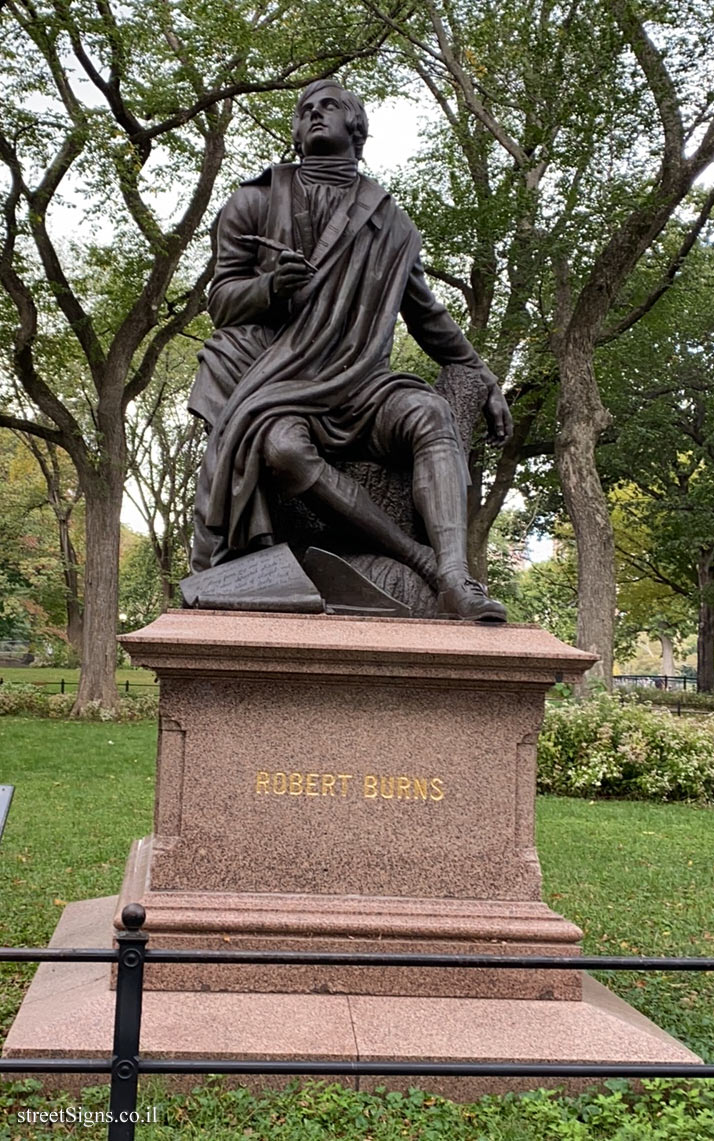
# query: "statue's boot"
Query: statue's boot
{"points": [[439, 490], [468, 599], [339, 496]]}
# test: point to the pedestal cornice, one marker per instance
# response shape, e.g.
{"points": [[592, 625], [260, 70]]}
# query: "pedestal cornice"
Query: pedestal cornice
{"points": [[259, 644]]}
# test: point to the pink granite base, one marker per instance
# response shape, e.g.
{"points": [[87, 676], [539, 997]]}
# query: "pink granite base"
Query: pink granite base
{"points": [[251, 921], [69, 1009]]}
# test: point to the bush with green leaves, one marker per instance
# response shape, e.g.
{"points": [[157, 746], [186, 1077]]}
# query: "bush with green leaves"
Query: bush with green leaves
{"points": [[674, 698], [609, 747], [34, 701], [19, 699]]}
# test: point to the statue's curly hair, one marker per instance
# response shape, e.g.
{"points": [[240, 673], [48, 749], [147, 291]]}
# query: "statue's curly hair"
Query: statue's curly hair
{"points": [[356, 116]]}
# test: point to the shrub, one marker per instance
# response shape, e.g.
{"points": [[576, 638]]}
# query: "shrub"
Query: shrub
{"points": [[609, 747], [18, 698], [59, 704], [31, 700], [142, 708], [687, 699]]}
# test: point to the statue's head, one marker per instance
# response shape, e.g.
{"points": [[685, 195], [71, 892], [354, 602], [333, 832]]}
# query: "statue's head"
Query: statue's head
{"points": [[329, 120]]}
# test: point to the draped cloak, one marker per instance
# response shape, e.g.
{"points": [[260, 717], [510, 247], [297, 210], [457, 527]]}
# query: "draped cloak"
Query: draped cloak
{"points": [[324, 355]]}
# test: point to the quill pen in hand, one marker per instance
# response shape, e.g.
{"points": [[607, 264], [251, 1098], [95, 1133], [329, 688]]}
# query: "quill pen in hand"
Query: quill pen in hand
{"points": [[270, 244]]}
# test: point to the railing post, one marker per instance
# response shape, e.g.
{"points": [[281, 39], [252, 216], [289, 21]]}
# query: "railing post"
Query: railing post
{"points": [[127, 1024], [61, 685]]}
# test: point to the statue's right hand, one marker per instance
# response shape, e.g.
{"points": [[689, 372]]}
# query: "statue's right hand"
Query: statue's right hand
{"points": [[291, 274]]}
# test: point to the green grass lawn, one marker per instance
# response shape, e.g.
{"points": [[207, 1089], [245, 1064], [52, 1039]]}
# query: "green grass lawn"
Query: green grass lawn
{"points": [[83, 791], [637, 877]]}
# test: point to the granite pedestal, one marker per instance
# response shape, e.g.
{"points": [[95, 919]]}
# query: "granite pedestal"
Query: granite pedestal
{"points": [[348, 784]]}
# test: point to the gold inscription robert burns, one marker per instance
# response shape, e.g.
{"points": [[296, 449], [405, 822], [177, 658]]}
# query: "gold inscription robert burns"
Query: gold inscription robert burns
{"points": [[370, 786]]}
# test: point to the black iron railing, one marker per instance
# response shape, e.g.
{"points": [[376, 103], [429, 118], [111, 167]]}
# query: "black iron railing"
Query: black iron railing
{"points": [[69, 685], [126, 1064], [675, 684]]}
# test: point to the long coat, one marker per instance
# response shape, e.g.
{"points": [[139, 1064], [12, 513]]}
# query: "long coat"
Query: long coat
{"points": [[324, 355]]}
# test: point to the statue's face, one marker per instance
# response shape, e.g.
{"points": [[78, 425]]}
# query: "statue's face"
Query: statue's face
{"points": [[322, 125]]}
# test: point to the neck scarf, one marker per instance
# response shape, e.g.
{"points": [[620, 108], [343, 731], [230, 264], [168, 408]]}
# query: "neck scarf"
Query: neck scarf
{"points": [[328, 170]]}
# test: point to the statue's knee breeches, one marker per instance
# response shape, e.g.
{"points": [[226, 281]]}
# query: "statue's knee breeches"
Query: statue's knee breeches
{"points": [[290, 454], [412, 419]]}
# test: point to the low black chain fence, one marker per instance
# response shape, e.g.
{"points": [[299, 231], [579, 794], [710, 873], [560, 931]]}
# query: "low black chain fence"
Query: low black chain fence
{"points": [[126, 1063], [69, 685], [674, 684]]}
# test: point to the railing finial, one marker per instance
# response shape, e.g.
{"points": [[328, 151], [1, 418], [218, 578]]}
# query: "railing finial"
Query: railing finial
{"points": [[133, 917]]}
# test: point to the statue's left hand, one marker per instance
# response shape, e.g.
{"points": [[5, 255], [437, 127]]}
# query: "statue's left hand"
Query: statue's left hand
{"points": [[498, 418]]}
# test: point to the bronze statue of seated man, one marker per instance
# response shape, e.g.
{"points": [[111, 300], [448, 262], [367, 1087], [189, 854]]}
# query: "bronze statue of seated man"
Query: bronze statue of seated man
{"points": [[315, 263]]}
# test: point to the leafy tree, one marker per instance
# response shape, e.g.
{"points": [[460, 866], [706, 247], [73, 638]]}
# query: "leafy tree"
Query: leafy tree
{"points": [[141, 593], [39, 587], [663, 454], [547, 593], [165, 446], [508, 540], [63, 496], [646, 603], [576, 134], [113, 106]]}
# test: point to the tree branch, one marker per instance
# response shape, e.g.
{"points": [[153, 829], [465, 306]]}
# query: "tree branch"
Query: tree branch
{"points": [[67, 301], [213, 154], [194, 305], [704, 153], [38, 201], [282, 82], [650, 570], [455, 282], [391, 22], [143, 314], [177, 47], [474, 103], [660, 84], [70, 436], [17, 189], [671, 272], [41, 33], [110, 88], [31, 428]]}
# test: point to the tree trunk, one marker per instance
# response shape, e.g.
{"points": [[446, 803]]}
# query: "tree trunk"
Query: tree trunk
{"points": [[477, 551], [705, 633], [582, 418], [49, 464], [162, 548], [70, 571], [166, 568], [483, 511], [103, 498], [667, 655]]}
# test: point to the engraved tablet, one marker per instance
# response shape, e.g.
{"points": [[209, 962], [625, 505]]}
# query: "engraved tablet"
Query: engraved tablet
{"points": [[271, 579]]}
